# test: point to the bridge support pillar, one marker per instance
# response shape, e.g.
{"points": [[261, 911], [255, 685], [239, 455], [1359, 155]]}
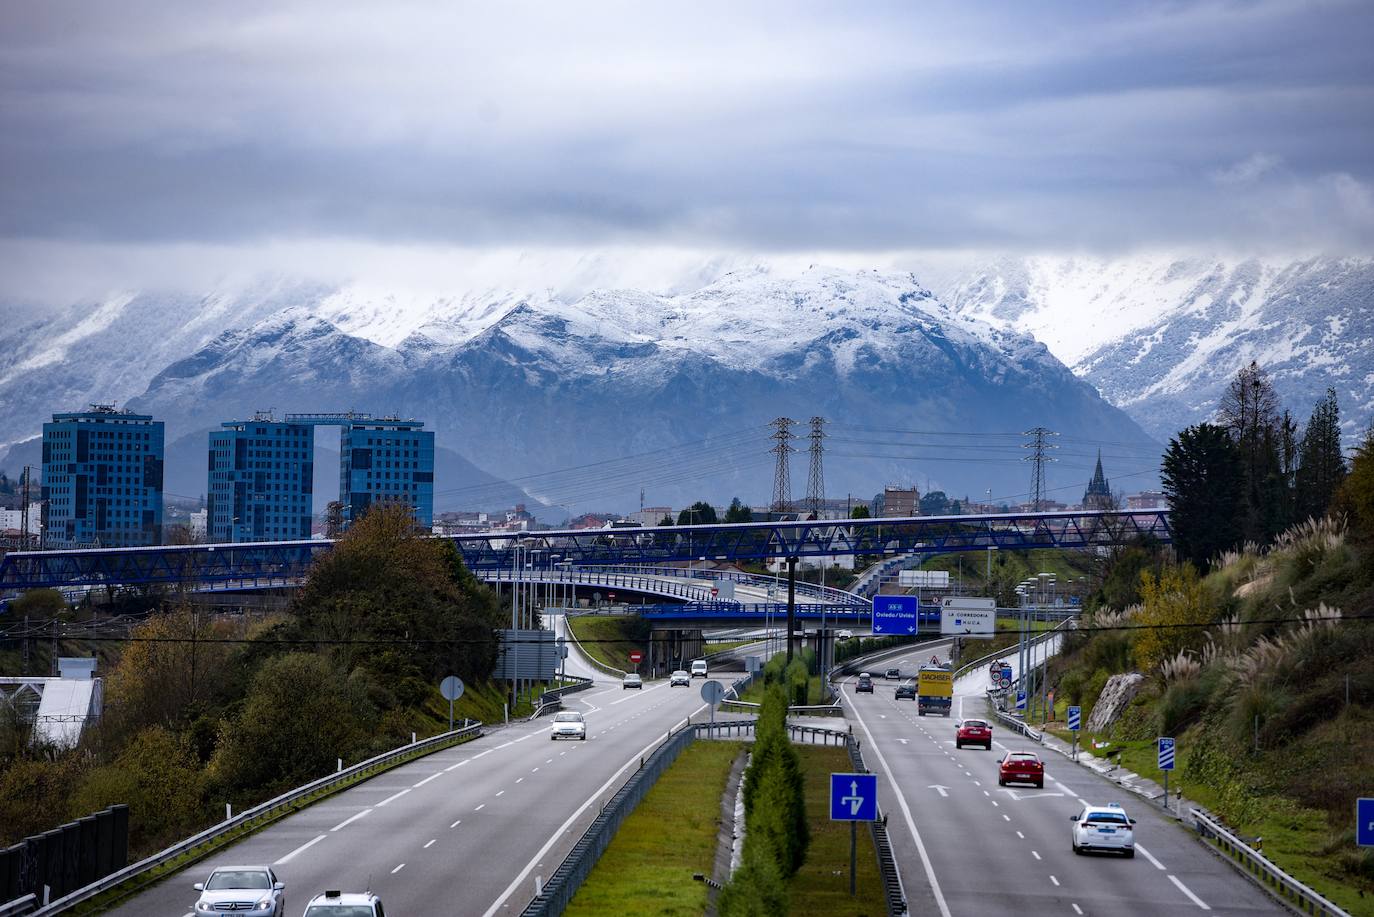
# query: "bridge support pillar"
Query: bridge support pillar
{"points": [[791, 605]]}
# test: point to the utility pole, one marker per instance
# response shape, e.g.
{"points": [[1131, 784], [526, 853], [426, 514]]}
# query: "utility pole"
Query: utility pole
{"points": [[1039, 458], [815, 480], [782, 476]]}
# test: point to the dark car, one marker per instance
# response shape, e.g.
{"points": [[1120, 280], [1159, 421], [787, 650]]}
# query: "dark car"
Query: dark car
{"points": [[864, 684], [906, 689]]}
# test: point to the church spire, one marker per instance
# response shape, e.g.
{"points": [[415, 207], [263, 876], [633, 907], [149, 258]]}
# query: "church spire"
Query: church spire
{"points": [[1099, 492]]}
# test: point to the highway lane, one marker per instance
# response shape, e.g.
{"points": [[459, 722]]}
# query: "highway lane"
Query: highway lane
{"points": [[967, 846], [464, 831]]}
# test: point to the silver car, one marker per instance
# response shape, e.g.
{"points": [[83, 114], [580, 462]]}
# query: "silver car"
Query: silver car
{"points": [[680, 678], [334, 903], [236, 891], [568, 724]]}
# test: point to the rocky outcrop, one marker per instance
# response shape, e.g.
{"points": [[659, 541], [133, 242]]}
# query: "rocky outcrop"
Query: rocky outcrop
{"points": [[1116, 694]]}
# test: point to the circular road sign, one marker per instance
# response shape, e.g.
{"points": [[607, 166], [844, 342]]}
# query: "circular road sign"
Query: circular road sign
{"points": [[636, 656], [1006, 682], [451, 687], [712, 692]]}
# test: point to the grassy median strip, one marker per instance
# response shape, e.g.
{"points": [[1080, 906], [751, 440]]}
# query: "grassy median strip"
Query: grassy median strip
{"points": [[821, 886], [606, 638], [670, 836]]}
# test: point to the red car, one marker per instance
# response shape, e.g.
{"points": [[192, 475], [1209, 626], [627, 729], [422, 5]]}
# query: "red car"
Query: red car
{"points": [[1021, 767], [973, 732]]}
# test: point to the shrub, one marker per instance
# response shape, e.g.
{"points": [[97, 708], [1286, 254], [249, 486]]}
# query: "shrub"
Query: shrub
{"points": [[158, 777], [757, 888], [1169, 602]]}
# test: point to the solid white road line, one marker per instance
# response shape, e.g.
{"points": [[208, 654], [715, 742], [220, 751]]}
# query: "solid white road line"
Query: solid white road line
{"points": [[393, 796], [906, 810], [1187, 891], [458, 765], [1151, 857], [562, 829], [426, 780], [351, 819], [299, 850]]}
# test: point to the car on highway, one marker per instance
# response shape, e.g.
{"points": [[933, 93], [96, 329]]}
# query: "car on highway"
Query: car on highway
{"points": [[241, 890], [906, 689], [568, 724], [973, 732], [893, 674], [632, 681], [1021, 767], [699, 668], [844, 635], [1103, 828], [680, 678], [864, 684], [335, 903]]}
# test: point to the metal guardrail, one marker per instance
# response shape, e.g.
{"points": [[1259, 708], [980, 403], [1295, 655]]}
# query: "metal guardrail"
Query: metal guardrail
{"points": [[1262, 869], [893, 891], [556, 894], [207, 840], [553, 698], [639, 583], [25, 905], [750, 579]]}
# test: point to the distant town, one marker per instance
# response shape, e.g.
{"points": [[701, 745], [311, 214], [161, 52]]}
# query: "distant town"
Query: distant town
{"points": [[101, 485]]}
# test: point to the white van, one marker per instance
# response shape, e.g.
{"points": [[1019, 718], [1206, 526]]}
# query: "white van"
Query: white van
{"points": [[699, 668]]}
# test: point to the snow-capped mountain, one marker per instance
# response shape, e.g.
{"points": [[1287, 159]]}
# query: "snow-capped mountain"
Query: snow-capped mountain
{"points": [[1161, 336], [522, 384]]}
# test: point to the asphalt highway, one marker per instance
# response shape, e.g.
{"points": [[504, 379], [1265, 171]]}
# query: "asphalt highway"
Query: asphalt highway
{"points": [[966, 846], [465, 831]]}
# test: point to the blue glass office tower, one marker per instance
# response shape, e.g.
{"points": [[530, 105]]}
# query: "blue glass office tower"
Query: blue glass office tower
{"points": [[261, 481], [102, 479], [386, 460]]}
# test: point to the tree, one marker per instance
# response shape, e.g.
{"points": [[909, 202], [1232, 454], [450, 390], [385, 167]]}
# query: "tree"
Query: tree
{"points": [[38, 603], [412, 594], [1355, 498], [1168, 602], [860, 512], [699, 513], [159, 778], [1321, 465], [1249, 411], [934, 503], [738, 512], [666, 520], [1202, 476]]}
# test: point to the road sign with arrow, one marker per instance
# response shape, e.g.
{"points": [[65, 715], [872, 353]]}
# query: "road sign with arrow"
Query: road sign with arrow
{"points": [[853, 797], [895, 614]]}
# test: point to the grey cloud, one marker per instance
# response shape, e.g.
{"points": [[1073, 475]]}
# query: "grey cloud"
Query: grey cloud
{"points": [[768, 127]]}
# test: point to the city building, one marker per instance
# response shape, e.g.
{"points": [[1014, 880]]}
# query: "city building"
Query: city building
{"points": [[261, 481], [12, 520], [651, 515], [1147, 499], [102, 479], [199, 525], [385, 460], [900, 502], [1099, 492]]}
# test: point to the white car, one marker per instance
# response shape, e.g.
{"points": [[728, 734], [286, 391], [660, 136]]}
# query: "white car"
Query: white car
{"points": [[335, 903], [845, 635], [632, 681], [680, 677], [1103, 828], [568, 724], [236, 891], [699, 668]]}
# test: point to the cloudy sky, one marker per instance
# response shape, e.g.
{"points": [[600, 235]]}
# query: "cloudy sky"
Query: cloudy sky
{"points": [[167, 143]]}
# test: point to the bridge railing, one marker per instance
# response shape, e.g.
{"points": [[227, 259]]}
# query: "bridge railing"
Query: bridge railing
{"points": [[627, 581], [834, 595]]}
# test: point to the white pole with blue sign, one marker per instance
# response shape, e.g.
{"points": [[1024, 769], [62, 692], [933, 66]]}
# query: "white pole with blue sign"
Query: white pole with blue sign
{"points": [[853, 798], [1166, 763], [1075, 717]]}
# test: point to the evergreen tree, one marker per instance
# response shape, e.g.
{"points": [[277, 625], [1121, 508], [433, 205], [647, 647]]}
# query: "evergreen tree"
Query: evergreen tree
{"points": [[935, 503], [1355, 498], [666, 520], [1203, 476], [699, 513], [738, 512], [1321, 465], [1249, 411], [860, 512]]}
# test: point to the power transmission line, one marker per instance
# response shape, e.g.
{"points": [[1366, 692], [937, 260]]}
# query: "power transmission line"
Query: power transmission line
{"points": [[1039, 458], [815, 479], [782, 475]]}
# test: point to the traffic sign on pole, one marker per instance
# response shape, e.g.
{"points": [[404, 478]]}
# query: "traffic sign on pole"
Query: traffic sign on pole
{"points": [[1020, 700], [853, 797], [1364, 822], [895, 614], [1075, 716], [1166, 753], [636, 656]]}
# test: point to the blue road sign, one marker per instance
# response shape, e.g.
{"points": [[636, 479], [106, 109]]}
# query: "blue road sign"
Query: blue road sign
{"points": [[853, 797], [895, 614], [1020, 700], [1166, 753], [1075, 718], [1364, 822]]}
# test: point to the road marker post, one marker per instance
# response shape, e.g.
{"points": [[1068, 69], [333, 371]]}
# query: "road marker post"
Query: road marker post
{"points": [[1075, 717], [853, 798]]}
